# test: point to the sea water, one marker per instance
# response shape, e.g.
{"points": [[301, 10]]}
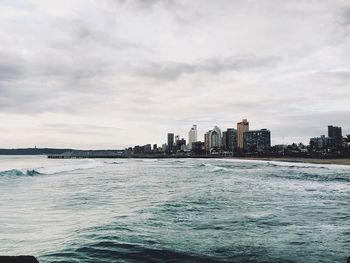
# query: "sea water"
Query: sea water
{"points": [[173, 210]]}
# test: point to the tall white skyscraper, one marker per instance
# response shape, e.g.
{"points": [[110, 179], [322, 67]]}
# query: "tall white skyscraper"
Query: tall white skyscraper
{"points": [[192, 136]]}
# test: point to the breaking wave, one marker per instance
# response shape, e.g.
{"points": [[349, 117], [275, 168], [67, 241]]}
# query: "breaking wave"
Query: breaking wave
{"points": [[214, 168], [15, 172], [48, 170]]}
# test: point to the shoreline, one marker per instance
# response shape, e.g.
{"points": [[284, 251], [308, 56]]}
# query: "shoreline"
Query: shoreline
{"points": [[335, 161]]}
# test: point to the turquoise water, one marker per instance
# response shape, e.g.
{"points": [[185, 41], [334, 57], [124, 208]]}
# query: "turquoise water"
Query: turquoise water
{"points": [[190, 210]]}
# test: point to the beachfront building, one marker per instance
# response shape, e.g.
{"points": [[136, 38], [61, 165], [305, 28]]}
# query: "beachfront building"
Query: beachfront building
{"points": [[215, 138], [242, 127], [257, 141], [229, 139], [180, 145], [335, 133], [198, 148], [223, 140], [170, 143], [192, 136]]}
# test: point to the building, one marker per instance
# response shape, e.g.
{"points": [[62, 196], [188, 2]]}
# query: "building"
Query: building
{"points": [[224, 140], [192, 136], [335, 133], [179, 144], [170, 142], [215, 138], [333, 142], [229, 139], [198, 148], [322, 143], [242, 127], [257, 141], [155, 148], [147, 148], [206, 141], [138, 149]]}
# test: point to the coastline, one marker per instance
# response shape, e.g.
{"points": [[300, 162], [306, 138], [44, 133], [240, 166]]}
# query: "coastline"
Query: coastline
{"points": [[335, 161]]}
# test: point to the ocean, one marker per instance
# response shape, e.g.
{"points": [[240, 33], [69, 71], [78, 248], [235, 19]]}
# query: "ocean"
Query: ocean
{"points": [[173, 210]]}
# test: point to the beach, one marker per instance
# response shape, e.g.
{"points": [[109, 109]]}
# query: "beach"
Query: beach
{"points": [[337, 161]]}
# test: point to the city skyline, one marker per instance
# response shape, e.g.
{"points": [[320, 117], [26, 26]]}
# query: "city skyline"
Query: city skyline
{"points": [[110, 74]]}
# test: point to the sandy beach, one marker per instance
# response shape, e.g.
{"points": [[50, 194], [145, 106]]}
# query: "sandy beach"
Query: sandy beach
{"points": [[340, 161]]}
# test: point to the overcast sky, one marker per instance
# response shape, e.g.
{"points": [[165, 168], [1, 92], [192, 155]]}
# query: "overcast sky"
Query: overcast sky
{"points": [[109, 73]]}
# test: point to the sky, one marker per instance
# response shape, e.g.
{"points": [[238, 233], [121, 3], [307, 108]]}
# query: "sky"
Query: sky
{"points": [[94, 74]]}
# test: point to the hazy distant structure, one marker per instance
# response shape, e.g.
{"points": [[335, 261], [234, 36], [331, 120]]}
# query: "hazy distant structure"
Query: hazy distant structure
{"points": [[242, 127], [257, 141], [192, 136], [215, 138], [147, 148], [170, 142], [335, 133]]}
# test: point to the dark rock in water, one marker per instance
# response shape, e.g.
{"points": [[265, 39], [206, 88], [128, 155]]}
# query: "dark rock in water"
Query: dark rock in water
{"points": [[18, 259], [348, 260]]}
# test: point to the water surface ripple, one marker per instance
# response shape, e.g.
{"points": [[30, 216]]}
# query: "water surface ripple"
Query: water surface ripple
{"points": [[190, 210]]}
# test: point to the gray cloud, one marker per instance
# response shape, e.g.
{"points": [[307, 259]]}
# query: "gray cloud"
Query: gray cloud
{"points": [[174, 70], [81, 70], [11, 66]]}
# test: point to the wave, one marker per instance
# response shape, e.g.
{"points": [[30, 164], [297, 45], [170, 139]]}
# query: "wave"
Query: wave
{"points": [[111, 251], [15, 172], [329, 177], [113, 162], [69, 167], [297, 165], [49, 170], [214, 168]]}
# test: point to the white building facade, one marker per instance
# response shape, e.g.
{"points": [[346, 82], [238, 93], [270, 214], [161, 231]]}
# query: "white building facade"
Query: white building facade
{"points": [[192, 136]]}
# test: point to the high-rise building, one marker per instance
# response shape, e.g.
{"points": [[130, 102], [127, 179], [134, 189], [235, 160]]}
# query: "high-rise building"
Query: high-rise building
{"points": [[242, 127], [206, 141], [215, 138], [224, 140], [230, 139], [170, 142], [335, 133], [257, 141], [192, 136]]}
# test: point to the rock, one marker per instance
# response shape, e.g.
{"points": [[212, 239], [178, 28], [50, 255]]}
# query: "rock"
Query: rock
{"points": [[18, 259]]}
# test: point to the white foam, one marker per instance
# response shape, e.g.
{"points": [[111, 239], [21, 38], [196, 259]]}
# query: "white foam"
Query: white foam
{"points": [[81, 165]]}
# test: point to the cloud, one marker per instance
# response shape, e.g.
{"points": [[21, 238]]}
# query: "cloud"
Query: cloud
{"points": [[79, 70], [10, 66], [174, 70]]}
